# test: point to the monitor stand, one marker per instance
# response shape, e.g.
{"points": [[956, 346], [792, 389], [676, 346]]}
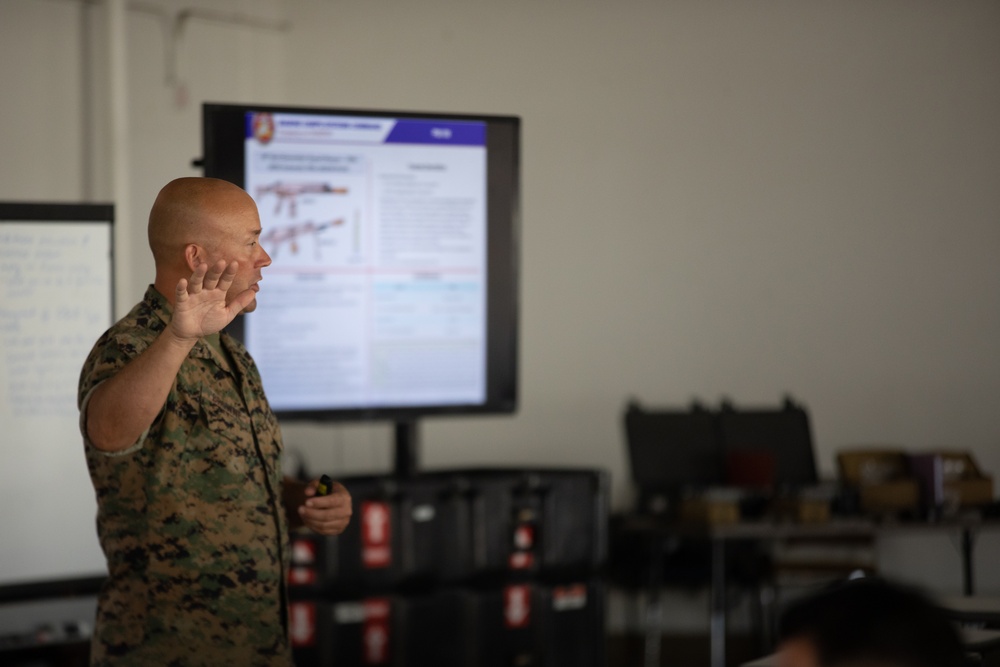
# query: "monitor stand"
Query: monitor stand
{"points": [[407, 444]]}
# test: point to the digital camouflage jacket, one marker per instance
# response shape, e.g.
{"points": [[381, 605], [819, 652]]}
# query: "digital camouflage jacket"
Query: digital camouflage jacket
{"points": [[190, 518]]}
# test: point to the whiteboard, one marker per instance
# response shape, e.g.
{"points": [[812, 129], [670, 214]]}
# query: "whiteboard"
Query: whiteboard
{"points": [[55, 301]]}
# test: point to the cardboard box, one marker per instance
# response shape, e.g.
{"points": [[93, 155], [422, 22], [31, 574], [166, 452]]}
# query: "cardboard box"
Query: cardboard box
{"points": [[894, 496], [811, 510], [802, 508], [883, 478], [709, 510], [872, 466]]}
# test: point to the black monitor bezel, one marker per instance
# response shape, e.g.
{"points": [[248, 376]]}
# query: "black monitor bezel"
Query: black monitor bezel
{"points": [[223, 157]]}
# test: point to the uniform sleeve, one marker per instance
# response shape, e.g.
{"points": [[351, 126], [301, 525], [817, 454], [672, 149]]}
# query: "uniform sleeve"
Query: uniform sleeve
{"points": [[110, 354]]}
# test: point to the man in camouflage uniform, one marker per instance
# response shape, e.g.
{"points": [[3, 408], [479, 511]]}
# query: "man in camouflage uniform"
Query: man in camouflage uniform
{"points": [[185, 453]]}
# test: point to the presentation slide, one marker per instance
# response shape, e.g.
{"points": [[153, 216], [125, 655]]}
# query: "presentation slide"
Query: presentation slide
{"points": [[55, 301], [377, 231]]}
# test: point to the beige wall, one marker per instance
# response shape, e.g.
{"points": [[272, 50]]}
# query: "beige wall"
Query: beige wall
{"points": [[721, 199]]}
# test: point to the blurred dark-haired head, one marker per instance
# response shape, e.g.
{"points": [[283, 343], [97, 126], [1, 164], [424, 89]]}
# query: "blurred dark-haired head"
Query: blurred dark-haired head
{"points": [[868, 623]]}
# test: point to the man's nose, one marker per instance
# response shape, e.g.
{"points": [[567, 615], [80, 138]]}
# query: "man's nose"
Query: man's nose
{"points": [[265, 259]]}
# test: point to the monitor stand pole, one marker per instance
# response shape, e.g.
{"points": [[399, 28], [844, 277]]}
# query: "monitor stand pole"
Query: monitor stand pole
{"points": [[407, 444]]}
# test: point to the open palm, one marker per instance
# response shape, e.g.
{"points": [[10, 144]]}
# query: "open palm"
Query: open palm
{"points": [[200, 307]]}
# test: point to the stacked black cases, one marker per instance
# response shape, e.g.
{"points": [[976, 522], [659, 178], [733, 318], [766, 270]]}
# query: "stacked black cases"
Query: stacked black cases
{"points": [[407, 534], [532, 624], [527, 524], [540, 624], [419, 629], [457, 567]]}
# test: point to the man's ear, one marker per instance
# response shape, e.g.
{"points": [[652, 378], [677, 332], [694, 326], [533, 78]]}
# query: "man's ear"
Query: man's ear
{"points": [[194, 255]]}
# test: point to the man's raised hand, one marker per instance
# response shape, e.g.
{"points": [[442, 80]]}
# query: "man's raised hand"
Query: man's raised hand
{"points": [[200, 306]]}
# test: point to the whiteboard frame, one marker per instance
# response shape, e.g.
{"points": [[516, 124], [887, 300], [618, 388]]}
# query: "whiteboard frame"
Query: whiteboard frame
{"points": [[65, 213]]}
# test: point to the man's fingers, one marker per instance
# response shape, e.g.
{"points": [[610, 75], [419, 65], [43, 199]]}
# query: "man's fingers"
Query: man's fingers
{"points": [[240, 301], [181, 291], [219, 276], [197, 279], [324, 522], [212, 276], [228, 275]]}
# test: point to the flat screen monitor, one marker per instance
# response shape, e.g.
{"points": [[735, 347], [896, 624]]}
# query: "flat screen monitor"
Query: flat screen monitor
{"points": [[393, 288]]}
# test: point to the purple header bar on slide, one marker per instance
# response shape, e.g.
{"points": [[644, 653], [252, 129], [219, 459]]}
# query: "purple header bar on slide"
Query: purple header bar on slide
{"points": [[266, 127], [446, 133]]}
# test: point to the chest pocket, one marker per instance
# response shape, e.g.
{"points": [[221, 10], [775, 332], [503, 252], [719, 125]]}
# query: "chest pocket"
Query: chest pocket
{"points": [[219, 456], [238, 437], [223, 430], [223, 410]]}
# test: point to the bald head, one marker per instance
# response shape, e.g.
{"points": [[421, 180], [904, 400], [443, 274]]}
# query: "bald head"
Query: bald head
{"points": [[192, 210], [202, 221]]}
